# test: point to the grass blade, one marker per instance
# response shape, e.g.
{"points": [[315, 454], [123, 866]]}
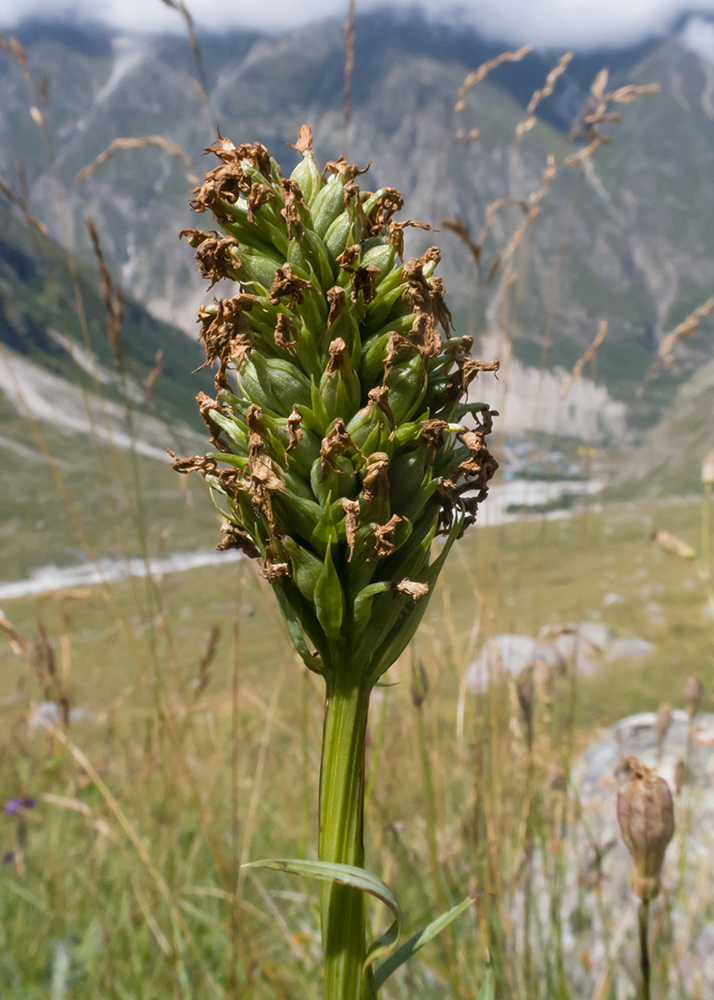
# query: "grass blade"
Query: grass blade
{"points": [[418, 941]]}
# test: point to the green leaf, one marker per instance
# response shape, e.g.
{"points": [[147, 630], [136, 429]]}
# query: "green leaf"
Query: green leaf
{"points": [[363, 600], [328, 597], [355, 878], [488, 987], [418, 941], [311, 660]]}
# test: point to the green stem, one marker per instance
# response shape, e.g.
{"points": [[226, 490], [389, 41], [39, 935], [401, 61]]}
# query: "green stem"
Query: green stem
{"points": [[341, 834]]}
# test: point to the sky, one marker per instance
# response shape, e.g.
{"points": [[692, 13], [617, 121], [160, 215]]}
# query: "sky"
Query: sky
{"points": [[581, 24]]}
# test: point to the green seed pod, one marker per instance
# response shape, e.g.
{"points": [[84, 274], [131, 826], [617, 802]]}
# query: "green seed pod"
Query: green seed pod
{"points": [[340, 235], [329, 203], [306, 175], [274, 383], [407, 388]]}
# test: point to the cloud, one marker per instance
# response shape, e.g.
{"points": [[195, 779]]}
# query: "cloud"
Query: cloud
{"points": [[549, 23], [698, 36]]}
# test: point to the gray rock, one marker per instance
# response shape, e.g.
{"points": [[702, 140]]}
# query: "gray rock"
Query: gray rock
{"points": [[588, 645], [506, 656], [49, 711], [633, 648]]}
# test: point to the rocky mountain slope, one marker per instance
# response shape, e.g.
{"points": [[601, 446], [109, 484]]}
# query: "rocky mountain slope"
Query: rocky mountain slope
{"points": [[627, 239]]}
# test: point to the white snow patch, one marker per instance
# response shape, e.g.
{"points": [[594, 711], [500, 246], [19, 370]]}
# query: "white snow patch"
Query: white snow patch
{"points": [[29, 454], [698, 36], [128, 52], [49, 578], [51, 399], [82, 357], [529, 398]]}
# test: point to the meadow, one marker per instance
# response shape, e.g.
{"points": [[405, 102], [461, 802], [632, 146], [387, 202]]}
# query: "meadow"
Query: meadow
{"points": [[196, 749]]}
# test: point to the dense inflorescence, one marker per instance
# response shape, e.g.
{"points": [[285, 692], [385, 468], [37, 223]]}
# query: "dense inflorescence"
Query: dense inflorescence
{"points": [[339, 448]]}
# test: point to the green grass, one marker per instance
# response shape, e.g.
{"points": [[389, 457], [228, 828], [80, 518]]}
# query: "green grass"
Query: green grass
{"points": [[233, 775]]}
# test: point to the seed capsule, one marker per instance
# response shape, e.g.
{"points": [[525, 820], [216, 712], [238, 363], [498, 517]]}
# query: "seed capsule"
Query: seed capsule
{"points": [[693, 694], [645, 812], [664, 718]]}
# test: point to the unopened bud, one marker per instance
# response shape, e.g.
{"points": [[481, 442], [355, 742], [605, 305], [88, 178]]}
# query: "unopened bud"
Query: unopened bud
{"points": [[645, 812], [420, 684], [664, 718], [693, 694]]}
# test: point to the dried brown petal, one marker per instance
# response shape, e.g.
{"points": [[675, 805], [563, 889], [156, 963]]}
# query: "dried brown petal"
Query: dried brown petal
{"points": [[432, 431], [196, 463], [389, 202], [256, 431], [379, 397], [275, 570], [349, 258], [412, 589], [338, 355], [206, 406], [348, 172], [425, 336], [375, 479], [288, 285], [213, 254], [384, 537], [281, 334], [352, 512], [293, 199], [467, 370], [336, 302], [226, 334], [294, 429], [259, 194], [396, 233], [304, 143], [224, 183], [442, 313], [395, 345], [364, 284], [335, 444], [236, 538]]}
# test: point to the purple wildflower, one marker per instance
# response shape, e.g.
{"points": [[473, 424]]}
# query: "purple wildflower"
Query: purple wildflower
{"points": [[14, 805]]}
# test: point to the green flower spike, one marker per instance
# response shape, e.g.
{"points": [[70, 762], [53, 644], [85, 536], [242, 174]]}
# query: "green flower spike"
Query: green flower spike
{"points": [[339, 453]]}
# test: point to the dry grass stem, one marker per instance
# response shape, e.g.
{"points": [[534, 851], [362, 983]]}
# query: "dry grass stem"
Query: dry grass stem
{"points": [[132, 142], [484, 69], [534, 209], [540, 95], [349, 60], [595, 113], [687, 328], [113, 298], [587, 357]]}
